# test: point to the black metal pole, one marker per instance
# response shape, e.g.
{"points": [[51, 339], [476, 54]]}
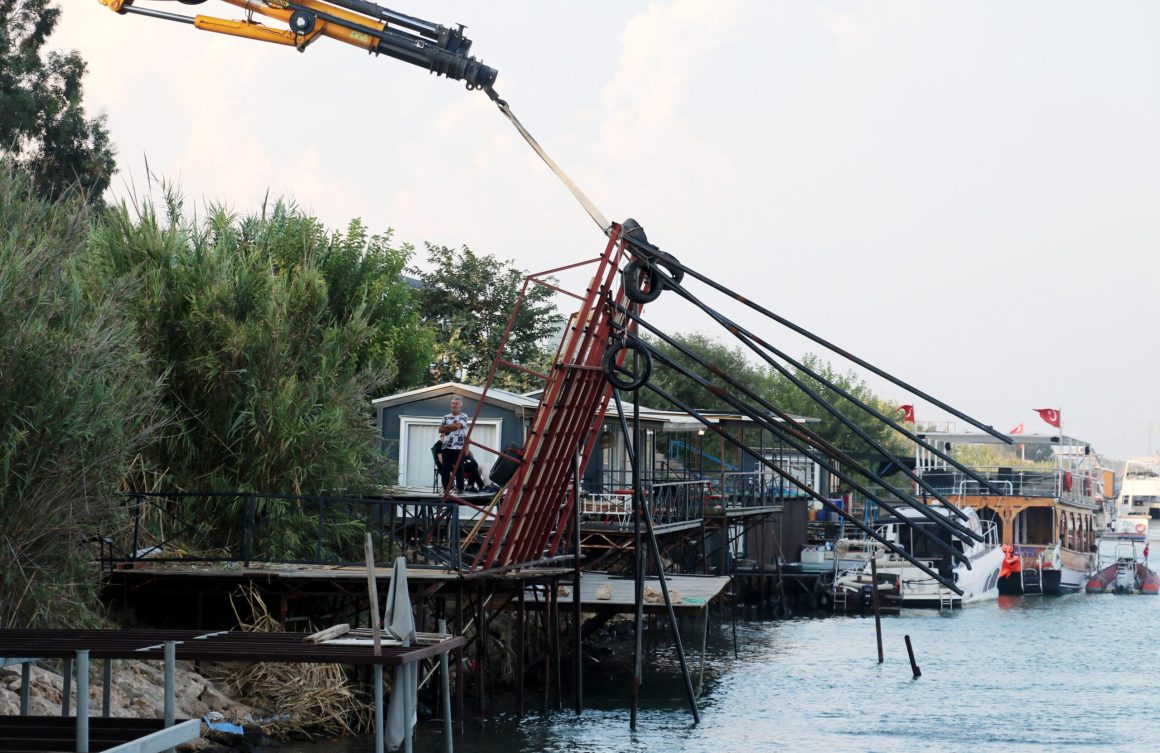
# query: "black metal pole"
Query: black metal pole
{"points": [[874, 602], [656, 553], [669, 282], [804, 436], [913, 664], [810, 491], [637, 554], [521, 628], [752, 340], [801, 444], [577, 613]]}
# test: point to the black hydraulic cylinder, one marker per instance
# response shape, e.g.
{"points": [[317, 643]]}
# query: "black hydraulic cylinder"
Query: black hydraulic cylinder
{"points": [[426, 28], [444, 53]]}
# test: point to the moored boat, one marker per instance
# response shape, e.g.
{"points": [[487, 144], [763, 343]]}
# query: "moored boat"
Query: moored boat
{"points": [[977, 578], [1122, 566], [1044, 510]]}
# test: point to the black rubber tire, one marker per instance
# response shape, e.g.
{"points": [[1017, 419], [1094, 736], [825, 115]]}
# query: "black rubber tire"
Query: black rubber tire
{"points": [[630, 279], [668, 263], [624, 381]]}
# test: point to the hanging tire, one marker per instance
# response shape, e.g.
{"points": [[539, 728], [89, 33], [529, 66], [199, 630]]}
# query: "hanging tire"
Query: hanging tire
{"points": [[641, 282], [619, 376], [669, 263]]}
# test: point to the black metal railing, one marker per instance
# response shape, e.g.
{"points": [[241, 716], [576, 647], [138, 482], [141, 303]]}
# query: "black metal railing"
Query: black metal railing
{"points": [[281, 529]]}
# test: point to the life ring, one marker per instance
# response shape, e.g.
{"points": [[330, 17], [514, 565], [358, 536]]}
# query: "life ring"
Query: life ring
{"points": [[1140, 528]]}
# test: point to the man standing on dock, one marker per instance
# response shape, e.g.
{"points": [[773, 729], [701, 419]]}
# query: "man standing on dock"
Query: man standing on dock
{"points": [[453, 428]]}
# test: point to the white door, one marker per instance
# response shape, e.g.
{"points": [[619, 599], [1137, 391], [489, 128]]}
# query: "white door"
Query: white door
{"points": [[417, 467]]}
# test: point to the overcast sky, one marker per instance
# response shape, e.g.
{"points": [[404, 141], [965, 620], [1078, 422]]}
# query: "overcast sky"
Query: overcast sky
{"points": [[965, 194]]}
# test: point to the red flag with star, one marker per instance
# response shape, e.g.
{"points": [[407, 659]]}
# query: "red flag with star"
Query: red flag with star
{"points": [[1017, 430], [907, 413]]}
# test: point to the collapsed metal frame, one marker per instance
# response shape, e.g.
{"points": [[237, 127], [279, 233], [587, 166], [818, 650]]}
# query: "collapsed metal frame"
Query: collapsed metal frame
{"points": [[601, 356]]}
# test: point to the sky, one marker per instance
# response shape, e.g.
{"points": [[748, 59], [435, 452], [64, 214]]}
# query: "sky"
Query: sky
{"points": [[966, 195]]}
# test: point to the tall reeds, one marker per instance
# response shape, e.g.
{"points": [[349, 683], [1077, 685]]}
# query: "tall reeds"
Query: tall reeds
{"points": [[78, 398]]}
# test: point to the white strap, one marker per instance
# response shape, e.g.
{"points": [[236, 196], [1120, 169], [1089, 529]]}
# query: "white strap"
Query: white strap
{"points": [[585, 202]]}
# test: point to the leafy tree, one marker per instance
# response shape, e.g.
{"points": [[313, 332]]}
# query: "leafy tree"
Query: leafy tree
{"points": [[42, 119], [268, 369], [77, 402], [783, 393], [734, 361], [362, 272], [469, 298]]}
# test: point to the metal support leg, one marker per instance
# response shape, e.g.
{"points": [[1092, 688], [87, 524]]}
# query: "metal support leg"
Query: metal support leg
{"points": [[170, 685], [521, 628], [445, 689], [107, 688], [25, 686], [82, 720], [411, 677], [577, 606], [380, 743], [66, 701]]}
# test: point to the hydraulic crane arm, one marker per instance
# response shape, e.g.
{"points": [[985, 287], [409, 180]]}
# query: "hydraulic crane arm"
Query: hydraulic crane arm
{"points": [[440, 49]]}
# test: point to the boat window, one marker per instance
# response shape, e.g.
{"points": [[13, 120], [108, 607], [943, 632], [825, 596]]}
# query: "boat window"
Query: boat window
{"points": [[924, 548]]}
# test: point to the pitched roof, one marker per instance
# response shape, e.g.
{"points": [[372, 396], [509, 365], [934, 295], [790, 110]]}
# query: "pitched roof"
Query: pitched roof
{"points": [[495, 396]]}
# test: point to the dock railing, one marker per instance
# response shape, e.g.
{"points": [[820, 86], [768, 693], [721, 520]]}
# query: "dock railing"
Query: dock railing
{"points": [[280, 529]]}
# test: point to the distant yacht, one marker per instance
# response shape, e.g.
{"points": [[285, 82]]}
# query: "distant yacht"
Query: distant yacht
{"points": [[1139, 497]]}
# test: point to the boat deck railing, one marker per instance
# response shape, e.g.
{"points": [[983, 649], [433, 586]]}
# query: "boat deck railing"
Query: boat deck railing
{"points": [[1084, 485]]}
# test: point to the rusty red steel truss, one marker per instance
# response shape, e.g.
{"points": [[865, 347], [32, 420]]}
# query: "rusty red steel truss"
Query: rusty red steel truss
{"points": [[535, 515]]}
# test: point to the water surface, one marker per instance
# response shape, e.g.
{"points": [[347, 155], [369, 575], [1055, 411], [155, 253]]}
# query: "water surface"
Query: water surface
{"points": [[1072, 673]]}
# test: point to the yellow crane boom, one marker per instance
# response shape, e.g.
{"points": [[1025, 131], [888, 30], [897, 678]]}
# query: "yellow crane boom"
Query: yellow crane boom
{"points": [[442, 50]]}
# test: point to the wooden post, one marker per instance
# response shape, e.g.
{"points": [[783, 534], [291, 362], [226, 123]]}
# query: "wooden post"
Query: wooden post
{"points": [[373, 591], [874, 602]]}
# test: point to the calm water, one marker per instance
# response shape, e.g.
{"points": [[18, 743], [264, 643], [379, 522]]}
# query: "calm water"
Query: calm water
{"points": [[1073, 673]]}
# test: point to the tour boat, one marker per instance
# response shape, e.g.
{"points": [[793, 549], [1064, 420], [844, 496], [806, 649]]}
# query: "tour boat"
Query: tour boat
{"points": [[1044, 508], [1122, 566]]}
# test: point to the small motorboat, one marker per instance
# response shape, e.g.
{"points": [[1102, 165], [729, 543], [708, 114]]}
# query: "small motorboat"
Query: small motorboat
{"points": [[1122, 566]]}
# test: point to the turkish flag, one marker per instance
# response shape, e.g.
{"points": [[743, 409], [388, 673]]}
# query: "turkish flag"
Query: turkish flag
{"points": [[1050, 415], [1017, 430], [907, 413]]}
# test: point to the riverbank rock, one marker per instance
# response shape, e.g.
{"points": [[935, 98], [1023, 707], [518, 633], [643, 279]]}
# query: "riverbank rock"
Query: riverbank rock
{"points": [[137, 690]]}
